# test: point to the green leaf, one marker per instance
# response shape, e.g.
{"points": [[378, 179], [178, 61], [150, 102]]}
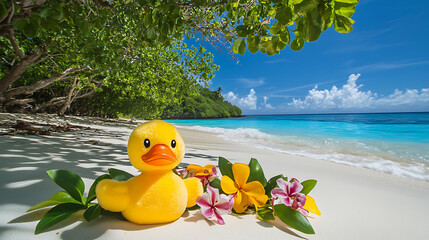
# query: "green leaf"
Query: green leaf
{"points": [[272, 184], [285, 37], [69, 181], [347, 1], [345, 9], [57, 12], [297, 43], [20, 24], [239, 46], [293, 218], [225, 167], [216, 184], [278, 44], [256, 172], [91, 193], [253, 43], [276, 28], [326, 14], [86, 28], [242, 48], [119, 175], [151, 32], [92, 213], [241, 30], [44, 12], [3, 10], [308, 185], [304, 6], [56, 215], [269, 47], [343, 24], [315, 25], [284, 15], [57, 198], [265, 213], [32, 27]]}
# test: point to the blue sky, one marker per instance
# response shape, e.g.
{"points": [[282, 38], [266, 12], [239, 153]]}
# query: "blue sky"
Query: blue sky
{"points": [[381, 66]]}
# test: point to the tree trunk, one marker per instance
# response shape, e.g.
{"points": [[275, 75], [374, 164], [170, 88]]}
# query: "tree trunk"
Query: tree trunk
{"points": [[68, 98]]}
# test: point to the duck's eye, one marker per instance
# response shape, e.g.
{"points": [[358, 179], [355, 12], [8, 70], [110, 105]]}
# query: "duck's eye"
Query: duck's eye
{"points": [[173, 143], [146, 143]]}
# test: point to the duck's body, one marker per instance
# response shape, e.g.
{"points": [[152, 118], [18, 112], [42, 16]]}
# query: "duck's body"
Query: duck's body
{"points": [[157, 195]]}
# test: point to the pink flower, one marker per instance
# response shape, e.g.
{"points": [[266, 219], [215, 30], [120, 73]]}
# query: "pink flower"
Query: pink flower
{"points": [[289, 194], [213, 204]]}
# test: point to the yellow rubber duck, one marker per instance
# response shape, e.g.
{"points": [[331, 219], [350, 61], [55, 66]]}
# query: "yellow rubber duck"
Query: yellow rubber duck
{"points": [[157, 195]]}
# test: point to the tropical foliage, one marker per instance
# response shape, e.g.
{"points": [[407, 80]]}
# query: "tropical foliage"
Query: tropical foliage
{"points": [[205, 104], [56, 52]]}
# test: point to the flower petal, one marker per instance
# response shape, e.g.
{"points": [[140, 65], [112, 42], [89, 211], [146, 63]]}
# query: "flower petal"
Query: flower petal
{"points": [[224, 205], [257, 192], [310, 205], [219, 218], [282, 183], [300, 199], [213, 194], [207, 212], [209, 167], [214, 170], [295, 187], [228, 186], [278, 192], [287, 201], [258, 201], [241, 201], [241, 173], [195, 168], [204, 201]]}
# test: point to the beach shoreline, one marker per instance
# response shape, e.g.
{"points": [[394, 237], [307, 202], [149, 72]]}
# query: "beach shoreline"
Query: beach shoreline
{"points": [[356, 203]]}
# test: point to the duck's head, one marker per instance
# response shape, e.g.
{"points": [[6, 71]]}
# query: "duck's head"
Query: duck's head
{"points": [[155, 146]]}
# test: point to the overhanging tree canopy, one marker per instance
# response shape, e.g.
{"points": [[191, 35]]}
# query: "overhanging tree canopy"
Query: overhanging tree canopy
{"points": [[100, 40]]}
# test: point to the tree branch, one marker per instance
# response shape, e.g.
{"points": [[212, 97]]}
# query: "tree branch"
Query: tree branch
{"points": [[12, 39], [16, 71], [40, 84], [19, 101]]}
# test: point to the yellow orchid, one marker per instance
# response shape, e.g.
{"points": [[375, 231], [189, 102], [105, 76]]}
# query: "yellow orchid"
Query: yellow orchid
{"points": [[252, 193]]}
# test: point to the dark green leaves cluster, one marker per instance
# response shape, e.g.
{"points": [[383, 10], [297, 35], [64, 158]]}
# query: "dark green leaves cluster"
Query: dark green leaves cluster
{"points": [[268, 25], [72, 199], [203, 104]]}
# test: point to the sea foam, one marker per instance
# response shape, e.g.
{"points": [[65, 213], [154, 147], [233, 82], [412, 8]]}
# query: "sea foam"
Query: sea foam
{"points": [[378, 156]]}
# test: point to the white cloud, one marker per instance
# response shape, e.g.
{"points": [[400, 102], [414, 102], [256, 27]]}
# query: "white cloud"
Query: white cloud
{"points": [[248, 102], [251, 83], [350, 97], [388, 66], [267, 105]]}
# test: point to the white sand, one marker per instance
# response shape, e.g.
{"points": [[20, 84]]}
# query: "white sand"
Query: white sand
{"points": [[355, 203]]}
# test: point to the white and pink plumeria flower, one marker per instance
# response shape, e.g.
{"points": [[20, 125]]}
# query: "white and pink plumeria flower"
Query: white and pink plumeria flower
{"points": [[289, 193], [212, 203]]}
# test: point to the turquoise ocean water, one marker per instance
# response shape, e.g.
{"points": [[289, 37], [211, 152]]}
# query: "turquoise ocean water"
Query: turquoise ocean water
{"points": [[395, 143]]}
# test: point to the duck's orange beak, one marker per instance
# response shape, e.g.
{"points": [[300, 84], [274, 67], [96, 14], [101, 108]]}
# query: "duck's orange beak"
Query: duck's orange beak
{"points": [[159, 155]]}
